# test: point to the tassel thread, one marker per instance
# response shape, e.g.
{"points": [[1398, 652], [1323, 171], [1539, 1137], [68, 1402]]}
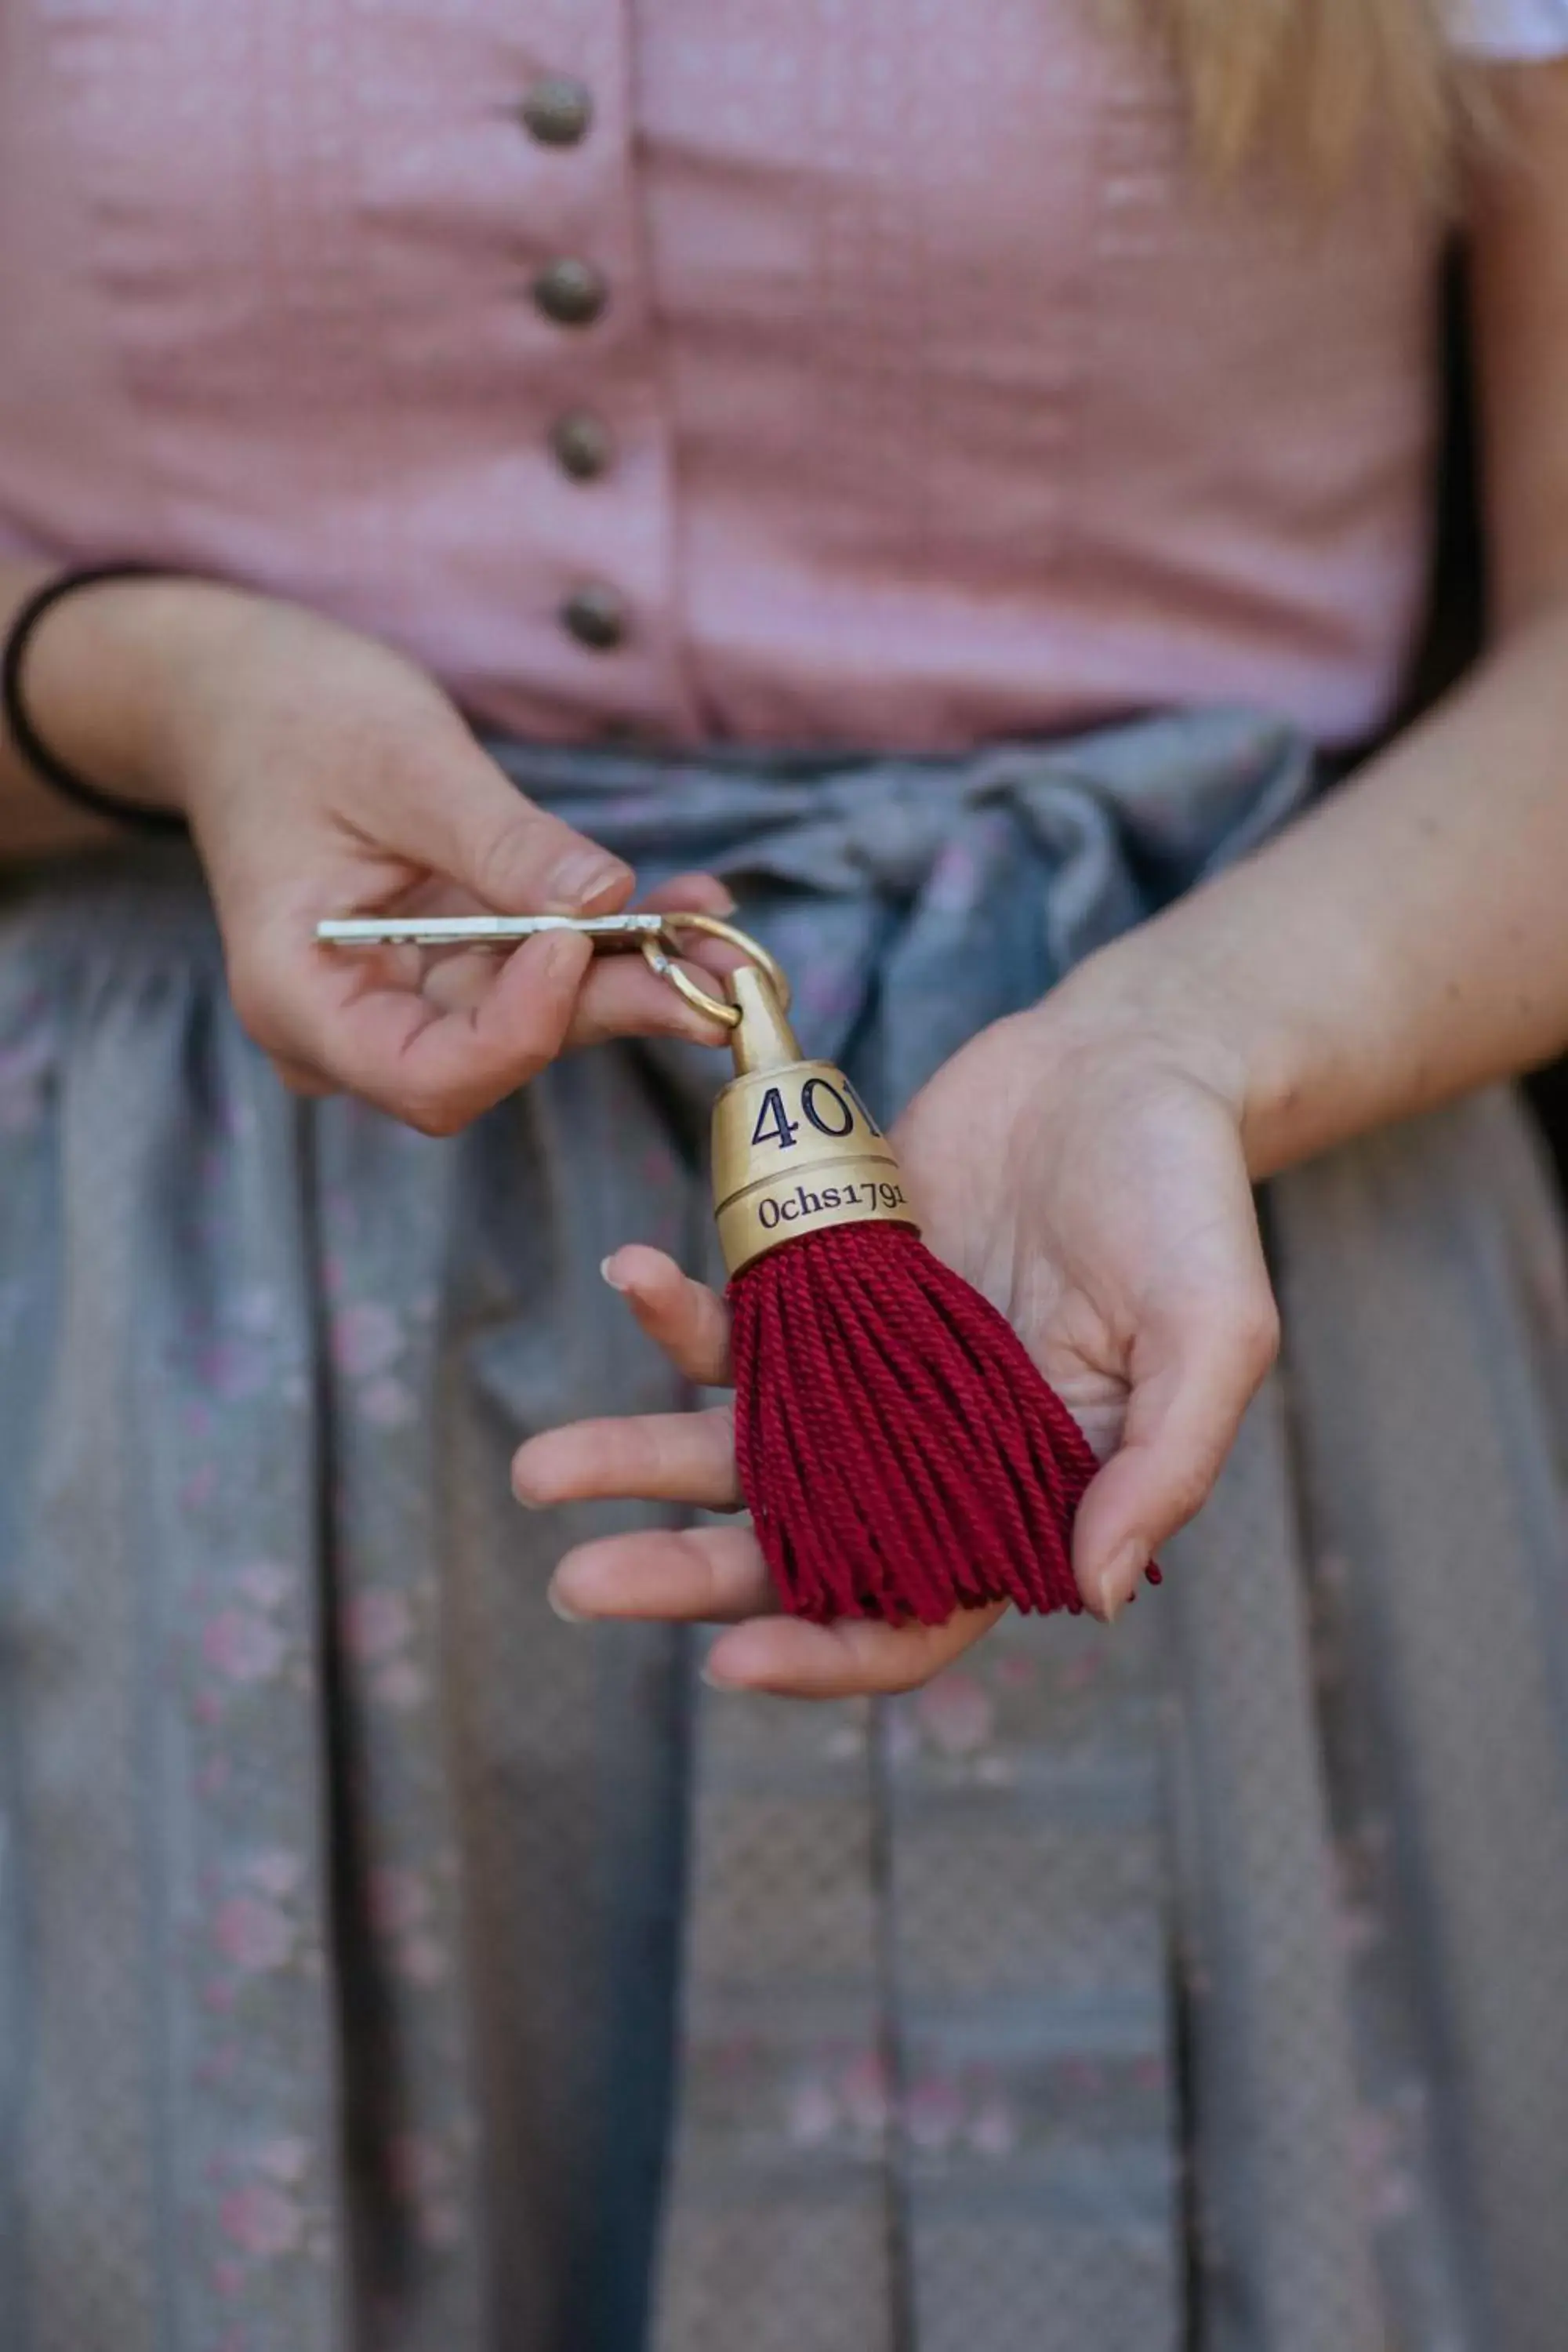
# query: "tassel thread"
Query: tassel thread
{"points": [[900, 1452]]}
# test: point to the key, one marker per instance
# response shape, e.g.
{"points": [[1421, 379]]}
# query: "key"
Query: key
{"points": [[659, 936], [485, 931]]}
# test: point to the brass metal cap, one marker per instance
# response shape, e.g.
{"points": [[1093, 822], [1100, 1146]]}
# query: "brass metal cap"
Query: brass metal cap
{"points": [[795, 1151]]}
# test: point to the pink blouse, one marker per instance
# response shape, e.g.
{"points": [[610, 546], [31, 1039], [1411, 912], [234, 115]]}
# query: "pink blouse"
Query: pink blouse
{"points": [[801, 371]]}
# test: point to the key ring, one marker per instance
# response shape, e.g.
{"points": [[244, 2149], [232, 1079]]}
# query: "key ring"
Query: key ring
{"points": [[713, 1008]]}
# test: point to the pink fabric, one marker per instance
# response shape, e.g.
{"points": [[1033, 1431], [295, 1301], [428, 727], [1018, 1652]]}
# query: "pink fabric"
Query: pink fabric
{"points": [[947, 406]]}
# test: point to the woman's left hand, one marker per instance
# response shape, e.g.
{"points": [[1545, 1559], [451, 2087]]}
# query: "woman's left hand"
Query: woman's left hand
{"points": [[1085, 1170]]}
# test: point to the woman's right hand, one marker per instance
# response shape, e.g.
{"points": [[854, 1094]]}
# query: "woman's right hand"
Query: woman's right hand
{"points": [[324, 774]]}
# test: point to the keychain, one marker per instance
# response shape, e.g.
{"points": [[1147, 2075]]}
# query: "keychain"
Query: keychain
{"points": [[900, 1450]]}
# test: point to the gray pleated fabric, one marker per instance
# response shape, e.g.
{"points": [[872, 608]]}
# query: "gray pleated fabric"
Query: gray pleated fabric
{"points": [[1195, 1986]]}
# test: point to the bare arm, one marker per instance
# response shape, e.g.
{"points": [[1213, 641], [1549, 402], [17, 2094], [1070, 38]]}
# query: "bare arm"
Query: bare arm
{"points": [[87, 687], [1410, 940]]}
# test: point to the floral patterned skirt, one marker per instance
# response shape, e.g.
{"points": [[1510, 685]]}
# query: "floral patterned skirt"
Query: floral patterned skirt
{"points": [[385, 1964]]}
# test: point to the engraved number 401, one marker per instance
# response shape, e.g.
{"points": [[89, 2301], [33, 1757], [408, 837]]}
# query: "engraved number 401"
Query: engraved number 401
{"points": [[829, 1108], [773, 1126]]}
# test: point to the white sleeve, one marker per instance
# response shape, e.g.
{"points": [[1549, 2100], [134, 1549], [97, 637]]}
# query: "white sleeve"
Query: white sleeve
{"points": [[1512, 28]]}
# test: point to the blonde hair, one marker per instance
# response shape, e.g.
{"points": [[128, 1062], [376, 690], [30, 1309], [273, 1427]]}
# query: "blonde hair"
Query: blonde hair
{"points": [[1318, 77]]}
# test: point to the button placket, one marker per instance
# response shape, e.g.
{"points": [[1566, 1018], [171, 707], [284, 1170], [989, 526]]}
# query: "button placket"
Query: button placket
{"points": [[558, 110], [604, 436]]}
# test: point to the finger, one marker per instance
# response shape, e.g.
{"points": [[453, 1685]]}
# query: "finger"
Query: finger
{"points": [[688, 1321], [854, 1657], [696, 894], [437, 1070], [466, 821], [1194, 1378], [458, 983], [712, 1575], [658, 1458], [301, 1079], [622, 998]]}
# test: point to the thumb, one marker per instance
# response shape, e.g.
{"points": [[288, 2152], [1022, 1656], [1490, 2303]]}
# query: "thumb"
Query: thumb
{"points": [[472, 825], [1200, 1373]]}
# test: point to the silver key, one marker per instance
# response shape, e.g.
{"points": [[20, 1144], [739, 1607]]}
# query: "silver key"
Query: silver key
{"points": [[484, 930], [661, 937]]}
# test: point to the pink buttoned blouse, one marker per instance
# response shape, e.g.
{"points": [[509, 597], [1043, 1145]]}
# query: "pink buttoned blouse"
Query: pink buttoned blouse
{"points": [[905, 388]]}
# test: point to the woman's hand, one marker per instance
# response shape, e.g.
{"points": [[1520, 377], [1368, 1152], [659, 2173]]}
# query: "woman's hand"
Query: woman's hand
{"points": [[1085, 1172], [322, 774]]}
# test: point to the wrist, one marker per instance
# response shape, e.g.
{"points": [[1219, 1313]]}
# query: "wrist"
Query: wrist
{"points": [[1181, 1005], [110, 669]]}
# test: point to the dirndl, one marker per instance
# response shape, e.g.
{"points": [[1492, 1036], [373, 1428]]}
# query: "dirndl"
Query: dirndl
{"points": [[386, 1964]]}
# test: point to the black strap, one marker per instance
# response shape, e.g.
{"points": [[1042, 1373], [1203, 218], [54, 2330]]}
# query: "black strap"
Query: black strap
{"points": [[44, 763]]}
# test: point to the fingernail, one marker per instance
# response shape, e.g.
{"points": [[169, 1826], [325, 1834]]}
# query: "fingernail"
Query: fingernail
{"points": [[584, 875], [718, 1682], [607, 1269], [568, 1616], [1121, 1579]]}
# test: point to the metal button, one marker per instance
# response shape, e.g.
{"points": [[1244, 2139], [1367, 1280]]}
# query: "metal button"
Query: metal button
{"points": [[573, 293], [558, 110], [583, 444], [596, 616]]}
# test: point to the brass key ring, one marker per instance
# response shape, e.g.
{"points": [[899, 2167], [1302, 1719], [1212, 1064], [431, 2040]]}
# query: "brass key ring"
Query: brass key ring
{"points": [[713, 1008]]}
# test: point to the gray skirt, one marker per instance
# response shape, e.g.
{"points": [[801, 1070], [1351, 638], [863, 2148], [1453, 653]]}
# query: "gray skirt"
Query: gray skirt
{"points": [[385, 1964]]}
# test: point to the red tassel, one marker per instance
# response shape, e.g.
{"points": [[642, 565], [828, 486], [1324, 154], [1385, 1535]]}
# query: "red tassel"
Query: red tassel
{"points": [[900, 1452]]}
